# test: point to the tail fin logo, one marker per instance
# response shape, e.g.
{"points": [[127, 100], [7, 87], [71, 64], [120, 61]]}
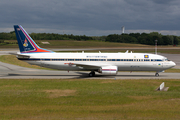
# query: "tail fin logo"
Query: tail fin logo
{"points": [[25, 43]]}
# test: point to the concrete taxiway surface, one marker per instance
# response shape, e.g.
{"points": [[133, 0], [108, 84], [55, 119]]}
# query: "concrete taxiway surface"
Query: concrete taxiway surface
{"points": [[9, 71]]}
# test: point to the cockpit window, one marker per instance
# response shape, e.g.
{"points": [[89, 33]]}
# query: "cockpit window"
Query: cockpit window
{"points": [[166, 59]]}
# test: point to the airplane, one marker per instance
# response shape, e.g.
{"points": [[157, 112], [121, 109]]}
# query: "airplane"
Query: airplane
{"points": [[104, 63]]}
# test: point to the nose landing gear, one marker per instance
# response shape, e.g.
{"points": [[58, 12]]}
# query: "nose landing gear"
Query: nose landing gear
{"points": [[156, 74]]}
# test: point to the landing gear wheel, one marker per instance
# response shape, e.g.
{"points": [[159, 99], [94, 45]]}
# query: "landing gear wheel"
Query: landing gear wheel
{"points": [[92, 74], [157, 74]]}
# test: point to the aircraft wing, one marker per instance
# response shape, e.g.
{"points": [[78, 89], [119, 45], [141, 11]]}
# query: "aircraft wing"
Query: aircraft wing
{"points": [[85, 65]]}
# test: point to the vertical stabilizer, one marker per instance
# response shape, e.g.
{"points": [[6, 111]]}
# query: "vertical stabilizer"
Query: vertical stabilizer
{"points": [[25, 42]]}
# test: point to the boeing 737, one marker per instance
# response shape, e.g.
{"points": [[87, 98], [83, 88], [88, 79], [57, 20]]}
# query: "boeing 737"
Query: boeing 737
{"points": [[104, 63]]}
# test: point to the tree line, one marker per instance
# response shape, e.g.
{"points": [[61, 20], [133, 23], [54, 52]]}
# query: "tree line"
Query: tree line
{"points": [[135, 38], [144, 38], [46, 36]]}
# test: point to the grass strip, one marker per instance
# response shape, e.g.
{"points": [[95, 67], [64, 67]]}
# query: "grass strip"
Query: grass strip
{"points": [[73, 44], [88, 99], [11, 59]]}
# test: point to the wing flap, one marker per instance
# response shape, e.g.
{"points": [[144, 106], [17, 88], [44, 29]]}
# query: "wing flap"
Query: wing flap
{"points": [[89, 66], [85, 65]]}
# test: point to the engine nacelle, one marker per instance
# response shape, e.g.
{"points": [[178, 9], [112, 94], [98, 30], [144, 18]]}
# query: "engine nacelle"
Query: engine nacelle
{"points": [[108, 70]]}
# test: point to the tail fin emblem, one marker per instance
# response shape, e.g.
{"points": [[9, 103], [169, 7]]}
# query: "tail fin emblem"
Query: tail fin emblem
{"points": [[25, 43]]}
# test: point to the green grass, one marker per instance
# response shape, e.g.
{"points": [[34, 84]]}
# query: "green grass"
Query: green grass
{"points": [[173, 70], [110, 46], [11, 59], [88, 44], [88, 99], [73, 44]]}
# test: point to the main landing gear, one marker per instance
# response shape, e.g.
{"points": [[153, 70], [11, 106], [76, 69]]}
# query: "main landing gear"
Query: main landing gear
{"points": [[92, 74]]}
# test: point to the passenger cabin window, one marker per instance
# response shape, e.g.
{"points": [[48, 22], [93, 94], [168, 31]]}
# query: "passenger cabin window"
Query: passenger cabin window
{"points": [[119, 60]]}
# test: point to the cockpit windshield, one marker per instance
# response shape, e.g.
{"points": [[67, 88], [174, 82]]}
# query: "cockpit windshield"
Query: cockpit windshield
{"points": [[166, 59]]}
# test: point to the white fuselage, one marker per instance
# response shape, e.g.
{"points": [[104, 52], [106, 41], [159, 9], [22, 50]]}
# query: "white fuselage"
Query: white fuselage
{"points": [[95, 61]]}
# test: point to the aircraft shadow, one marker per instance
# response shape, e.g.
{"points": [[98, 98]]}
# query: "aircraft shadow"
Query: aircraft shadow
{"points": [[85, 75], [81, 75]]}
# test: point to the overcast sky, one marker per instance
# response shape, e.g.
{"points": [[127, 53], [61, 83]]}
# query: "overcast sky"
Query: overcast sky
{"points": [[91, 17]]}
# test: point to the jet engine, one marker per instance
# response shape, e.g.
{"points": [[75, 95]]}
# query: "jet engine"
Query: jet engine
{"points": [[108, 70]]}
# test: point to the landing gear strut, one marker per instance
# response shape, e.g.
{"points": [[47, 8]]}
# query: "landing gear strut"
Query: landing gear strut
{"points": [[156, 74], [92, 74]]}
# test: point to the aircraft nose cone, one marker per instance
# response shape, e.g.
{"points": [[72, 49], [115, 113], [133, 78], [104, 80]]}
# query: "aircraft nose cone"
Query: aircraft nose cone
{"points": [[173, 64]]}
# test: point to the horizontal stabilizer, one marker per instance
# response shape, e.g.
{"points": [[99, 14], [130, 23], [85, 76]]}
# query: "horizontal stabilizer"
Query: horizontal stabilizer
{"points": [[20, 56]]}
